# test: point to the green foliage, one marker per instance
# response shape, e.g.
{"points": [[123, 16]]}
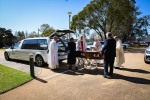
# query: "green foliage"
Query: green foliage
{"points": [[6, 37], [140, 25], [44, 27], [106, 15], [19, 36], [48, 31], [33, 34], [11, 78]]}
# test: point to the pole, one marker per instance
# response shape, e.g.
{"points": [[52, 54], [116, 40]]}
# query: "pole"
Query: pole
{"points": [[69, 13], [69, 21], [31, 62], [69, 24]]}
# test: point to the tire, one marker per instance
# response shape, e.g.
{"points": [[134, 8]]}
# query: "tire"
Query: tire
{"points": [[39, 61], [146, 61], [6, 56], [124, 47]]}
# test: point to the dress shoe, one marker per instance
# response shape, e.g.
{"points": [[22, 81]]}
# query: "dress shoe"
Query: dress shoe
{"points": [[105, 76]]}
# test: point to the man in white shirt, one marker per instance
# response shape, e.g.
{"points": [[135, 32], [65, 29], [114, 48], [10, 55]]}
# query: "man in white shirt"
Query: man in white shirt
{"points": [[53, 54]]}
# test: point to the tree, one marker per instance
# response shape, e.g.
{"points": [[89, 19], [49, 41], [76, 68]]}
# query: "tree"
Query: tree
{"points": [[46, 29], [140, 26], [33, 34], [19, 36], [106, 15], [6, 37]]}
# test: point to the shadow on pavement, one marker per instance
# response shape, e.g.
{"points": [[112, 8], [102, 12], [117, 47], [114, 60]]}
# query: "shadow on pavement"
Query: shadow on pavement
{"points": [[81, 71], [20, 61], [135, 70], [41, 80], [132, 79]]}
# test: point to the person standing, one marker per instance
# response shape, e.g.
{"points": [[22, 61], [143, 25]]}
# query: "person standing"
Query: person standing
{"points": [[71, 59], [97, 47], [53, 54], [109, 52], [81, 44], [119, 59], [81, 47]]}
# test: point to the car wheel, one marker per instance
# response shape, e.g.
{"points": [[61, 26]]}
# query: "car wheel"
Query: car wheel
{"points": [[146, 61], [124, 47], [6, 56], [39, 61]]}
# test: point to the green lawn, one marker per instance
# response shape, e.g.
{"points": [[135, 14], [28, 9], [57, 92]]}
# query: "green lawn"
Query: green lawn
{"points": [[2, 49], [11, 78]]}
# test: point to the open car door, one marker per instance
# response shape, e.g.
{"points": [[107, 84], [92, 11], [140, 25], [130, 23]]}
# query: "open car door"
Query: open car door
{"points": [[61, 32]]}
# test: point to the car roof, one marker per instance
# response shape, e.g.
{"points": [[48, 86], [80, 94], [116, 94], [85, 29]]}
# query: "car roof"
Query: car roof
{"points": [[37, 38]]}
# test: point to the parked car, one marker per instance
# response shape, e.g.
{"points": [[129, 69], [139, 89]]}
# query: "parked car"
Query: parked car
{"points": [[90, 45], [144, 44], [125, 45], [147, 55], [38, 47]]}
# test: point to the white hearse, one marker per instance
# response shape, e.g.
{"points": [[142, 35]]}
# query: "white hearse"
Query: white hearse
{"points": [[38, 47]]}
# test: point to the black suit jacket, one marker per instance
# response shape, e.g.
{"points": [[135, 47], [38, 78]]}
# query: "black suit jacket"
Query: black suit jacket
{"points": [[109, 49]]}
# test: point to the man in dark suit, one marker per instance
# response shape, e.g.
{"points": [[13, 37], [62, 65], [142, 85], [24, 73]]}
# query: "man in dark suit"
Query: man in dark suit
{"points": [[109, 52]]}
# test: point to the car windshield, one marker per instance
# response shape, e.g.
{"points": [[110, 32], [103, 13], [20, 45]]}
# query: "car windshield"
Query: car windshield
{"points": [[16, 45]]}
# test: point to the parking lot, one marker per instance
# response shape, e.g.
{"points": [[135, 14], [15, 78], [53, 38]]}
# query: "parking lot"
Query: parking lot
{"points": [[132, 82]]}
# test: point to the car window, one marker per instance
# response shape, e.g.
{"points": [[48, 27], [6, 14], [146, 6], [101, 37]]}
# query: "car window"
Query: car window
{"points": [[16, 45], [42, 44], [36, 44], [30, 44]]}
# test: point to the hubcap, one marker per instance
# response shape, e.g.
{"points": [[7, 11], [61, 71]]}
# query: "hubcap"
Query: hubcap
{"points": [[39, 61], [6, 56]]}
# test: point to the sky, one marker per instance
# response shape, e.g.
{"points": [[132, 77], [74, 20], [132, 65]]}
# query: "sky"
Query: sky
{"points": [[29, 15]]}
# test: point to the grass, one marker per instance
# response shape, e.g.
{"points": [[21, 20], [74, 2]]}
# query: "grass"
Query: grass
{"points": [[11, 78], [2, 49], [135, 49]]}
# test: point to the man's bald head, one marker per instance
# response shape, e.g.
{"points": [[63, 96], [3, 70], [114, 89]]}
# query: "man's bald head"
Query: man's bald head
{"points": [[108, 34]]}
